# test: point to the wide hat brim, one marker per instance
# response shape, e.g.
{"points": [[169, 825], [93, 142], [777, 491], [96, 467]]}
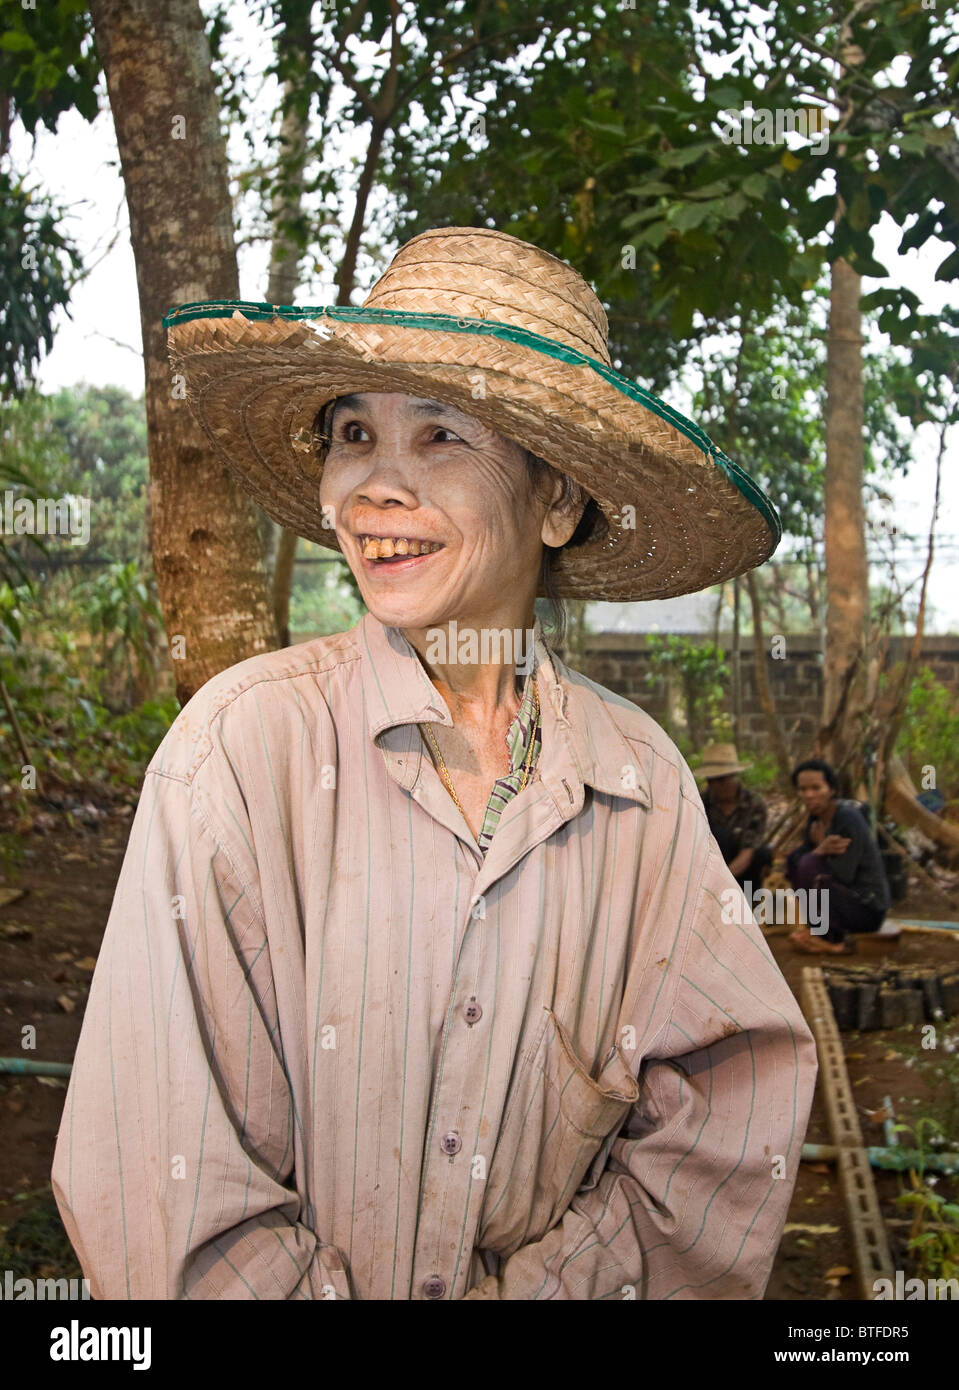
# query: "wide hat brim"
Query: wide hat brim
{"points": [[680, 515], [709, 770]]}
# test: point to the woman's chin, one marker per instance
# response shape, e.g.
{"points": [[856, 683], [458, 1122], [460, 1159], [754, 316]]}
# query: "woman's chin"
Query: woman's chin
{"points": [[403, 612]]}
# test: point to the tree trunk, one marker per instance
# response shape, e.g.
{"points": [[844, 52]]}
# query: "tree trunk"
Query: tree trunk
{"points": [[294, 43], [847, 571], [812, 594], [901, 804], [736, 662], [892, 723], [207, 547], [774, 732], [576, 633], [717, 616], [283, 569], [346, 278]]}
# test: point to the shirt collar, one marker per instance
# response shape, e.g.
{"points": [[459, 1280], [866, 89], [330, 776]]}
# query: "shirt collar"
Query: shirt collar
{"points": [[581, 739]]}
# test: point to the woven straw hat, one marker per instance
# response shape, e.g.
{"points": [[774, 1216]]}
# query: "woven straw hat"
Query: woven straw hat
{"points": [[719, 760], [513, 337]]}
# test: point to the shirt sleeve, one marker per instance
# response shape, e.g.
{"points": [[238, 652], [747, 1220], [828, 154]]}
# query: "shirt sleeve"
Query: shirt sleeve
{"points": [[860, 866], [176, 1147], [693, 1198]]}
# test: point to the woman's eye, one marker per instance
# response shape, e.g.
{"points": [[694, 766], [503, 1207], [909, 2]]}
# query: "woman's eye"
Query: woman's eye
{"points": [[441, 429], [353, 432]]}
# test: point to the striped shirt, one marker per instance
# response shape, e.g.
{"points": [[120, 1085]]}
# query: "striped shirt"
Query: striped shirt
{"points": [[333, 1050]]}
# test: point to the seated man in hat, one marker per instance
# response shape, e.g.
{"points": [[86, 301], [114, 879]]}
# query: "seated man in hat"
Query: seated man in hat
{"points": [[736, 815]]}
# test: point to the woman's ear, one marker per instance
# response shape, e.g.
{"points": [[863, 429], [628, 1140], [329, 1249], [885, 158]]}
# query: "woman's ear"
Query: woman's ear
{"points": [[567, 504]]}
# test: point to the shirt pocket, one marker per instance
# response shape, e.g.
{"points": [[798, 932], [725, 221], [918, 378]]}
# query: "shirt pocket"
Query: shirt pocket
{"points": [[557, 1131]]}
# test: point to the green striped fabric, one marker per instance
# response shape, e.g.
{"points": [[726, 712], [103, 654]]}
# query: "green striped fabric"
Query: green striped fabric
{"points": [[518, 738]]}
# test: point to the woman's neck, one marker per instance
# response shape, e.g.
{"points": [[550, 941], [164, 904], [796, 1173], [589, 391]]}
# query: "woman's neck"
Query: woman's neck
{"points": [[480, 672]]}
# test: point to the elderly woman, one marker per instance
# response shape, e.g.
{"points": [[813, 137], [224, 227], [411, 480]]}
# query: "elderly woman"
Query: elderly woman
{"points": [[419, 981]]}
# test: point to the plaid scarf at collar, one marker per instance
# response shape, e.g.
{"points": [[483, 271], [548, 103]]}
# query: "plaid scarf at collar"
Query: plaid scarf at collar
{"points": [[506, 787]]}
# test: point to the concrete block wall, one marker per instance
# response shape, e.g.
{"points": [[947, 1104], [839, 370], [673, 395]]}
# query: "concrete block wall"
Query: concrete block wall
{"points": [[620, 661]]}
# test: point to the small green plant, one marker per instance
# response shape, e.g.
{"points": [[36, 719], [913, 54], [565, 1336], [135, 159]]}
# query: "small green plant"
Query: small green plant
{"points": [[934, 1236], [122, 611], [930, 733], [702, 672], [763, 775]]}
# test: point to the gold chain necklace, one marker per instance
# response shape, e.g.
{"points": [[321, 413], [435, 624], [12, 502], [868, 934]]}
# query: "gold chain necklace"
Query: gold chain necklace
{"points": [[425, 728]]}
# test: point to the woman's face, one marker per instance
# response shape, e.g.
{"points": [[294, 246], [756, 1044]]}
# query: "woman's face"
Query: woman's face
{"points": [[813, 790], [403, 468]]}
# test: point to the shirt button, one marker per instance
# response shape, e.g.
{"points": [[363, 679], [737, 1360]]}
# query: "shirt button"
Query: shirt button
{"points": [[434, 1286], [451, 1143], [472, 1012]]}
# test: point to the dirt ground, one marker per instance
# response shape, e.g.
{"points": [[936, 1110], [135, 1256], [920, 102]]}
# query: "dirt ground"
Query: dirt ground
{"points": [[49, 939], [881, 1063]]}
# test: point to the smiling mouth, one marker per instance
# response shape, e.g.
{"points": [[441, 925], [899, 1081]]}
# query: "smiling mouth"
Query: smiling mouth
{"points": [[390, 549]]}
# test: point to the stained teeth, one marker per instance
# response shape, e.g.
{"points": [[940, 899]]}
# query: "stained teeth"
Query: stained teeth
{"points": [[377, 548]]}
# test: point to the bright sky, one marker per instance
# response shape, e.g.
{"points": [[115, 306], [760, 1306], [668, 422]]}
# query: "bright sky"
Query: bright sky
{"points": [[100, 342]]}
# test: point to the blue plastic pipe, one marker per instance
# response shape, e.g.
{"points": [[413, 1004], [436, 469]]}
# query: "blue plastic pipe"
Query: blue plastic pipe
{"points": [[22, 1066]]}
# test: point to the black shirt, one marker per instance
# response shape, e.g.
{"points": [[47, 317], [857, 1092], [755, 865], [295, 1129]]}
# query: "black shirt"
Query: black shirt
{"points": [[745, 823], [860, 867]]}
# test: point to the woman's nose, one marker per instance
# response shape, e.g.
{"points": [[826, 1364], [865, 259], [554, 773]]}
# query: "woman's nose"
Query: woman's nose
{"points": [[386, 481]]}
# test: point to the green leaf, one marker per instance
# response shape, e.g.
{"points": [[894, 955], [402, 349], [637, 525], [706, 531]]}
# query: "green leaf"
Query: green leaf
{"points": [[687, 154], [725, 97], [912, 144], [604, 129], [650, 189], [16, 41], [685, 216], [754, 185], [656, 234], [709, 190], [635, 219], [920, 232], [949, 270]]}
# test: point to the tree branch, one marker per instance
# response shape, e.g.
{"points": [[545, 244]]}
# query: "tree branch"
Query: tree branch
{"points": [[461, 52]]}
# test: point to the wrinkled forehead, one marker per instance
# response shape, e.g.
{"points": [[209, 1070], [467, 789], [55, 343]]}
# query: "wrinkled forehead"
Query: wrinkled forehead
{"points": [[411, 405]]}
